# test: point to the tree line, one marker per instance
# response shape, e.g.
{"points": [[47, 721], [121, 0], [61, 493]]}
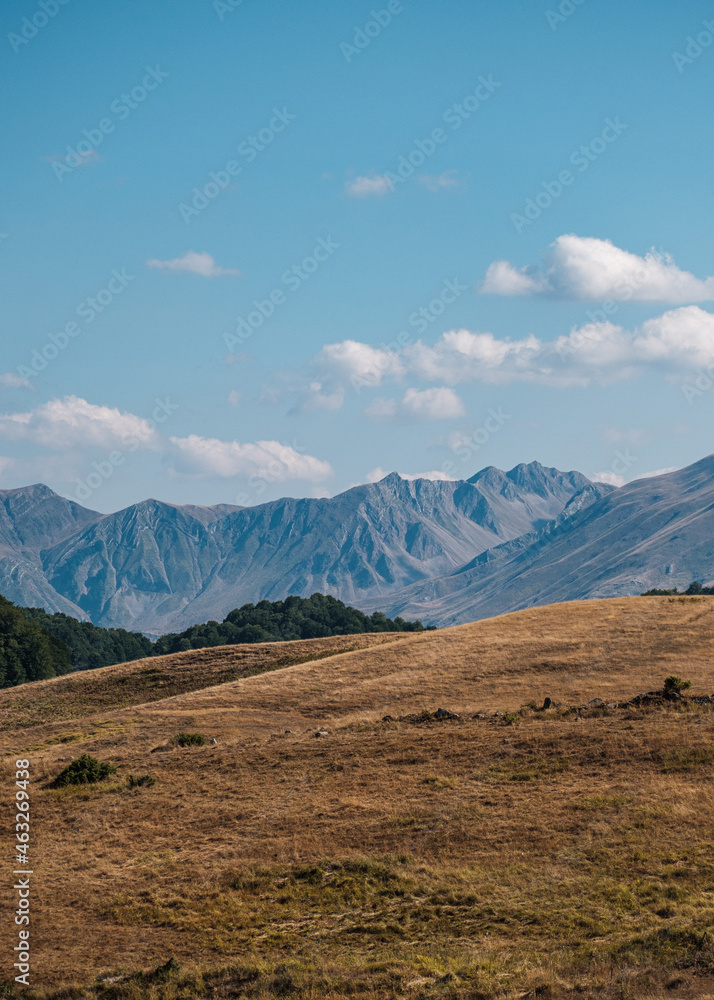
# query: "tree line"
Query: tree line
{"points": [[35, 645]]}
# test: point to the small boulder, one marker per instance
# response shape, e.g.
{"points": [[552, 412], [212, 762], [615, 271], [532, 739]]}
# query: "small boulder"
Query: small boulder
{"points": [[443, 713], [322, 732], [214, 742]]}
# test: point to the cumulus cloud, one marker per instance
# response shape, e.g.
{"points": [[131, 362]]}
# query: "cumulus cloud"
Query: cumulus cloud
{"points": [[680, 341], [503, 278], [359, 363], [373, 186], [594, 270], [198, 456], [437, 403], [72, 422], [195, 263], [432, 404]]}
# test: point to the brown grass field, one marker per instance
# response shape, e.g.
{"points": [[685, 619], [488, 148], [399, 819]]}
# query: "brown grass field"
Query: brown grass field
{"points": [[527, 854]]}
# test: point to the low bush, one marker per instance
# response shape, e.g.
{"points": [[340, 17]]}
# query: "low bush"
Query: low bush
{"points": [[674, 683], [189, 740], [144, 781], [85, 770]]}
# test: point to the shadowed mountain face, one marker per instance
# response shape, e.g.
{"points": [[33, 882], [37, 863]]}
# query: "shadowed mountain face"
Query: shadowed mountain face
{"points": [[655, 532], [159, 567]]}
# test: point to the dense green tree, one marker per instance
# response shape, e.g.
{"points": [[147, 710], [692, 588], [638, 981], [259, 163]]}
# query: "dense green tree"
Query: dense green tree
{"points": [[694, 588], [90, 646], [313, 617], [27, 653]]}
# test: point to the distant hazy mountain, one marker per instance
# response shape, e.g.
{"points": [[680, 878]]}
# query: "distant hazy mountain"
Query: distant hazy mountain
{"points": [[159, 567], [655, 532]]}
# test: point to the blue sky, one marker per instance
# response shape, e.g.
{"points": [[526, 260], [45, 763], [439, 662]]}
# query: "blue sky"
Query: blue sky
{"points": [[570, 143]]}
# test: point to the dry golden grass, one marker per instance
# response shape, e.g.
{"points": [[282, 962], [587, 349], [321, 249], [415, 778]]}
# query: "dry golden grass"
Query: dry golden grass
{"points": [[465, 858]]}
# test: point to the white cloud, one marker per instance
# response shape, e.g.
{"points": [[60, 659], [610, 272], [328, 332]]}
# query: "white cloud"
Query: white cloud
{"points": [[658, 472], [200, 456], [611, 478], [195, 263], [317, 399], [381, 409], [72, 422], [376, 475], [359, 363], [11, 380], [595, 270], [432, 404], [233, 398], [447, 179], [374, 186], [679, 342], [437, 403], [503, 278]]}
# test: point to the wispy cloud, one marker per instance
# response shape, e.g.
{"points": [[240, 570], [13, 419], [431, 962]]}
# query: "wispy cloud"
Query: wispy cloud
{"points": [[376, 475], [373, 186], [11, 380], [595, 270], [447, 179], [195, 263], [436, 403], [198, 457]]}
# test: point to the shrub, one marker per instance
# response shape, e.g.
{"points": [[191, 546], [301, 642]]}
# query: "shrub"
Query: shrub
{"points": [[85, 770], [189, 740], [146, 780], [674, 683]]}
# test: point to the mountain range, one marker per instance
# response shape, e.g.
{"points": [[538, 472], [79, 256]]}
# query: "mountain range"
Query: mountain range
{"points": [[444, 551]]}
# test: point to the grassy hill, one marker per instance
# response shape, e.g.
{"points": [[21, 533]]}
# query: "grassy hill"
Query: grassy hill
{"points": [[532, 853]]}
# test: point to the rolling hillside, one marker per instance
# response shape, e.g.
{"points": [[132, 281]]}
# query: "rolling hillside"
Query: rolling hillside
{"points": [[527, 853]]}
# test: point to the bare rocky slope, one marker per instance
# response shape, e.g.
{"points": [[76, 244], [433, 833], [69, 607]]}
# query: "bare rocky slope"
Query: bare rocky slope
{"points": [[158, 567]]}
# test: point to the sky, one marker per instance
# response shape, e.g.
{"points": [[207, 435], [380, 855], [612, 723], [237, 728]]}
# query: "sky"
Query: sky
{"points": [[250, 250]]}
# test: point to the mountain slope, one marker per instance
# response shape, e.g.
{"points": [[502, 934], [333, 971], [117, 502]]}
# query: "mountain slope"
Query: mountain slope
{"points": [[158, 568], [655, 532]]}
